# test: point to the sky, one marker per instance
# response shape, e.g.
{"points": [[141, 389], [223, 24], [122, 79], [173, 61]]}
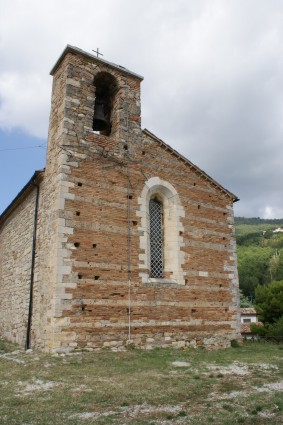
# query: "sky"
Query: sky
{"points": [[212, 89]]}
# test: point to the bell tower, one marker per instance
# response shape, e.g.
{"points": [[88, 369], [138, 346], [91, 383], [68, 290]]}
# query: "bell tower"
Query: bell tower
{"points": [[94, 102], [94, 129]]}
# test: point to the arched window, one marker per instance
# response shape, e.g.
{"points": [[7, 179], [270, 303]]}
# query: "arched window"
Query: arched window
{"points": [[156, 238], [161, 233]]}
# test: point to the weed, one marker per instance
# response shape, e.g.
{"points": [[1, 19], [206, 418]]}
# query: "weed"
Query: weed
{"points": [[235, 343], [228, 407], [169, 416], [182, 414], [278, 402], [257, 409]]}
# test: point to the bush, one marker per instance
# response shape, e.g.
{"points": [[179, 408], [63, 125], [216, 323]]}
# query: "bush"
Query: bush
{"points": [[275, 330], [235, 343], [269, 302], [269, 330], [258, 329]]}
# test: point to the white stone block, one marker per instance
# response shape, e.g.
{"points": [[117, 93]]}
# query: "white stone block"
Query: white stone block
{"points": [[203, 274]]}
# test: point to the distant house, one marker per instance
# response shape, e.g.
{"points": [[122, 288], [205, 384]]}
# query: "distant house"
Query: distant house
{"points": [[248, 316], [278, 230]]}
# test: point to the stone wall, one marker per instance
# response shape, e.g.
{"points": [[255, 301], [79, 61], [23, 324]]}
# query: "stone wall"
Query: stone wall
{"points": [[16, 236]]}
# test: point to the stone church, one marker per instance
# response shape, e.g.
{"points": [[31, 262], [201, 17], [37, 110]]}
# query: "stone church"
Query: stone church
{"points": [[120, 239]]}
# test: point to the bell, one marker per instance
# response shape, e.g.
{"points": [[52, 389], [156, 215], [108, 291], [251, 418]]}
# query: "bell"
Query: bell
{"points": [[100, 122]]}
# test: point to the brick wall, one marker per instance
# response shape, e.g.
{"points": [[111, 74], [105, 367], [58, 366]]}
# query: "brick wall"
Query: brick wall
{"points": [[200, 307], [200, 310]]}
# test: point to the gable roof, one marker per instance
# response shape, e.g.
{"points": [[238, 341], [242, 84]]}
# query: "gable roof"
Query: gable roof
{"points": [[247, 310], [77, 51], [196, 169]]}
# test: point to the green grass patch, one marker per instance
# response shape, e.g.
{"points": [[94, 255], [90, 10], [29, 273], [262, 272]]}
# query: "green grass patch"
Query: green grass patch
{"points": [[238, 385]]}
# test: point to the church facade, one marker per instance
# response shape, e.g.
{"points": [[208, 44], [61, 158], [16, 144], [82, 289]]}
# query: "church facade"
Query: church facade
{"points": [[120, 240]]}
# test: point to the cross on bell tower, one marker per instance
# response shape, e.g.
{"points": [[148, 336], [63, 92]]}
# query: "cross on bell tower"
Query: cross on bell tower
{"points": [[97, 52]]}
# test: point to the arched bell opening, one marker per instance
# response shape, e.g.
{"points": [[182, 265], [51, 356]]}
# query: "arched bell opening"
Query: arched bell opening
{"points": [[105, 89]]}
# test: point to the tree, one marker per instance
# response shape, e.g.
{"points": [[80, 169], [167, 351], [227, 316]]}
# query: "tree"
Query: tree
{"points": [[253, 267], [273, 265], [279, 271], [269, 330], [269, 302], [275, 330]]}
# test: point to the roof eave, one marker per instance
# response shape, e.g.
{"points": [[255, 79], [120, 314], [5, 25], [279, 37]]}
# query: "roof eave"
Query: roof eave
{"points": [[34, 180]]}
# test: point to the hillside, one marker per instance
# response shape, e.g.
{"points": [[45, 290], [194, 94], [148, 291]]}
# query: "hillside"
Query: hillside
{"points": [[256, 220], [260, 252]]}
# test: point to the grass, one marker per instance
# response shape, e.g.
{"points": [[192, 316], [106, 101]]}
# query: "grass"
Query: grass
{"points": [[241, 385]]}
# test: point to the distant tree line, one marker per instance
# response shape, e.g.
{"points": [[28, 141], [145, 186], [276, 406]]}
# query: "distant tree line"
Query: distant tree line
{"points": [[257, 220]]}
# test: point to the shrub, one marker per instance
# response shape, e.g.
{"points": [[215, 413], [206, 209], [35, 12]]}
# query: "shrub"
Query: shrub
{"points": [[269, 330], [269, 301]]}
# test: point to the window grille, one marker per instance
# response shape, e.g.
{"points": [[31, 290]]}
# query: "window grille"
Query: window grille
{"points": [[156, 238]]}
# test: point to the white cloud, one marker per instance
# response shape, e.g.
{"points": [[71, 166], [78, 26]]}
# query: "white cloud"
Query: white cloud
{"points": [[272, 212], [23, 101], [213, 77]]}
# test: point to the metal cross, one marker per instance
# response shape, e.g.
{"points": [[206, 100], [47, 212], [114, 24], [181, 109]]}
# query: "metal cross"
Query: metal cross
{"points": [[97, 52]]}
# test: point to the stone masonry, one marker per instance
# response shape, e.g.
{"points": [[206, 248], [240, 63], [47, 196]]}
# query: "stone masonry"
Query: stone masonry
{"points": [[93, 286]]}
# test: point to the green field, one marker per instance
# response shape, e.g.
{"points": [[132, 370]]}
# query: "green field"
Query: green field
{"points": [[241, 385]]}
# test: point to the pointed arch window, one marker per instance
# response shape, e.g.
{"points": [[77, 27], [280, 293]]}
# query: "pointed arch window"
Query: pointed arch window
{"points": [[156, 238]]}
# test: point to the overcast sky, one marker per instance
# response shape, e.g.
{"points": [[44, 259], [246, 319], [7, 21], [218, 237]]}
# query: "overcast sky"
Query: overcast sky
{"points": [[212, 89]]}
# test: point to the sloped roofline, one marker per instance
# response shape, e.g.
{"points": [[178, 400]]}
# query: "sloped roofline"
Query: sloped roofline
{"points": [[76, 50], [191, 165], [34, 180]]}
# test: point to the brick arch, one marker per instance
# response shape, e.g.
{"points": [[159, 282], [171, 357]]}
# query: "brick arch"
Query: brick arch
{"points": [[173, 231]]}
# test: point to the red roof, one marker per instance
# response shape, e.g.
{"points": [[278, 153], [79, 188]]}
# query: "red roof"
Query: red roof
{"points": [[248, 311], [246, 327]]}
